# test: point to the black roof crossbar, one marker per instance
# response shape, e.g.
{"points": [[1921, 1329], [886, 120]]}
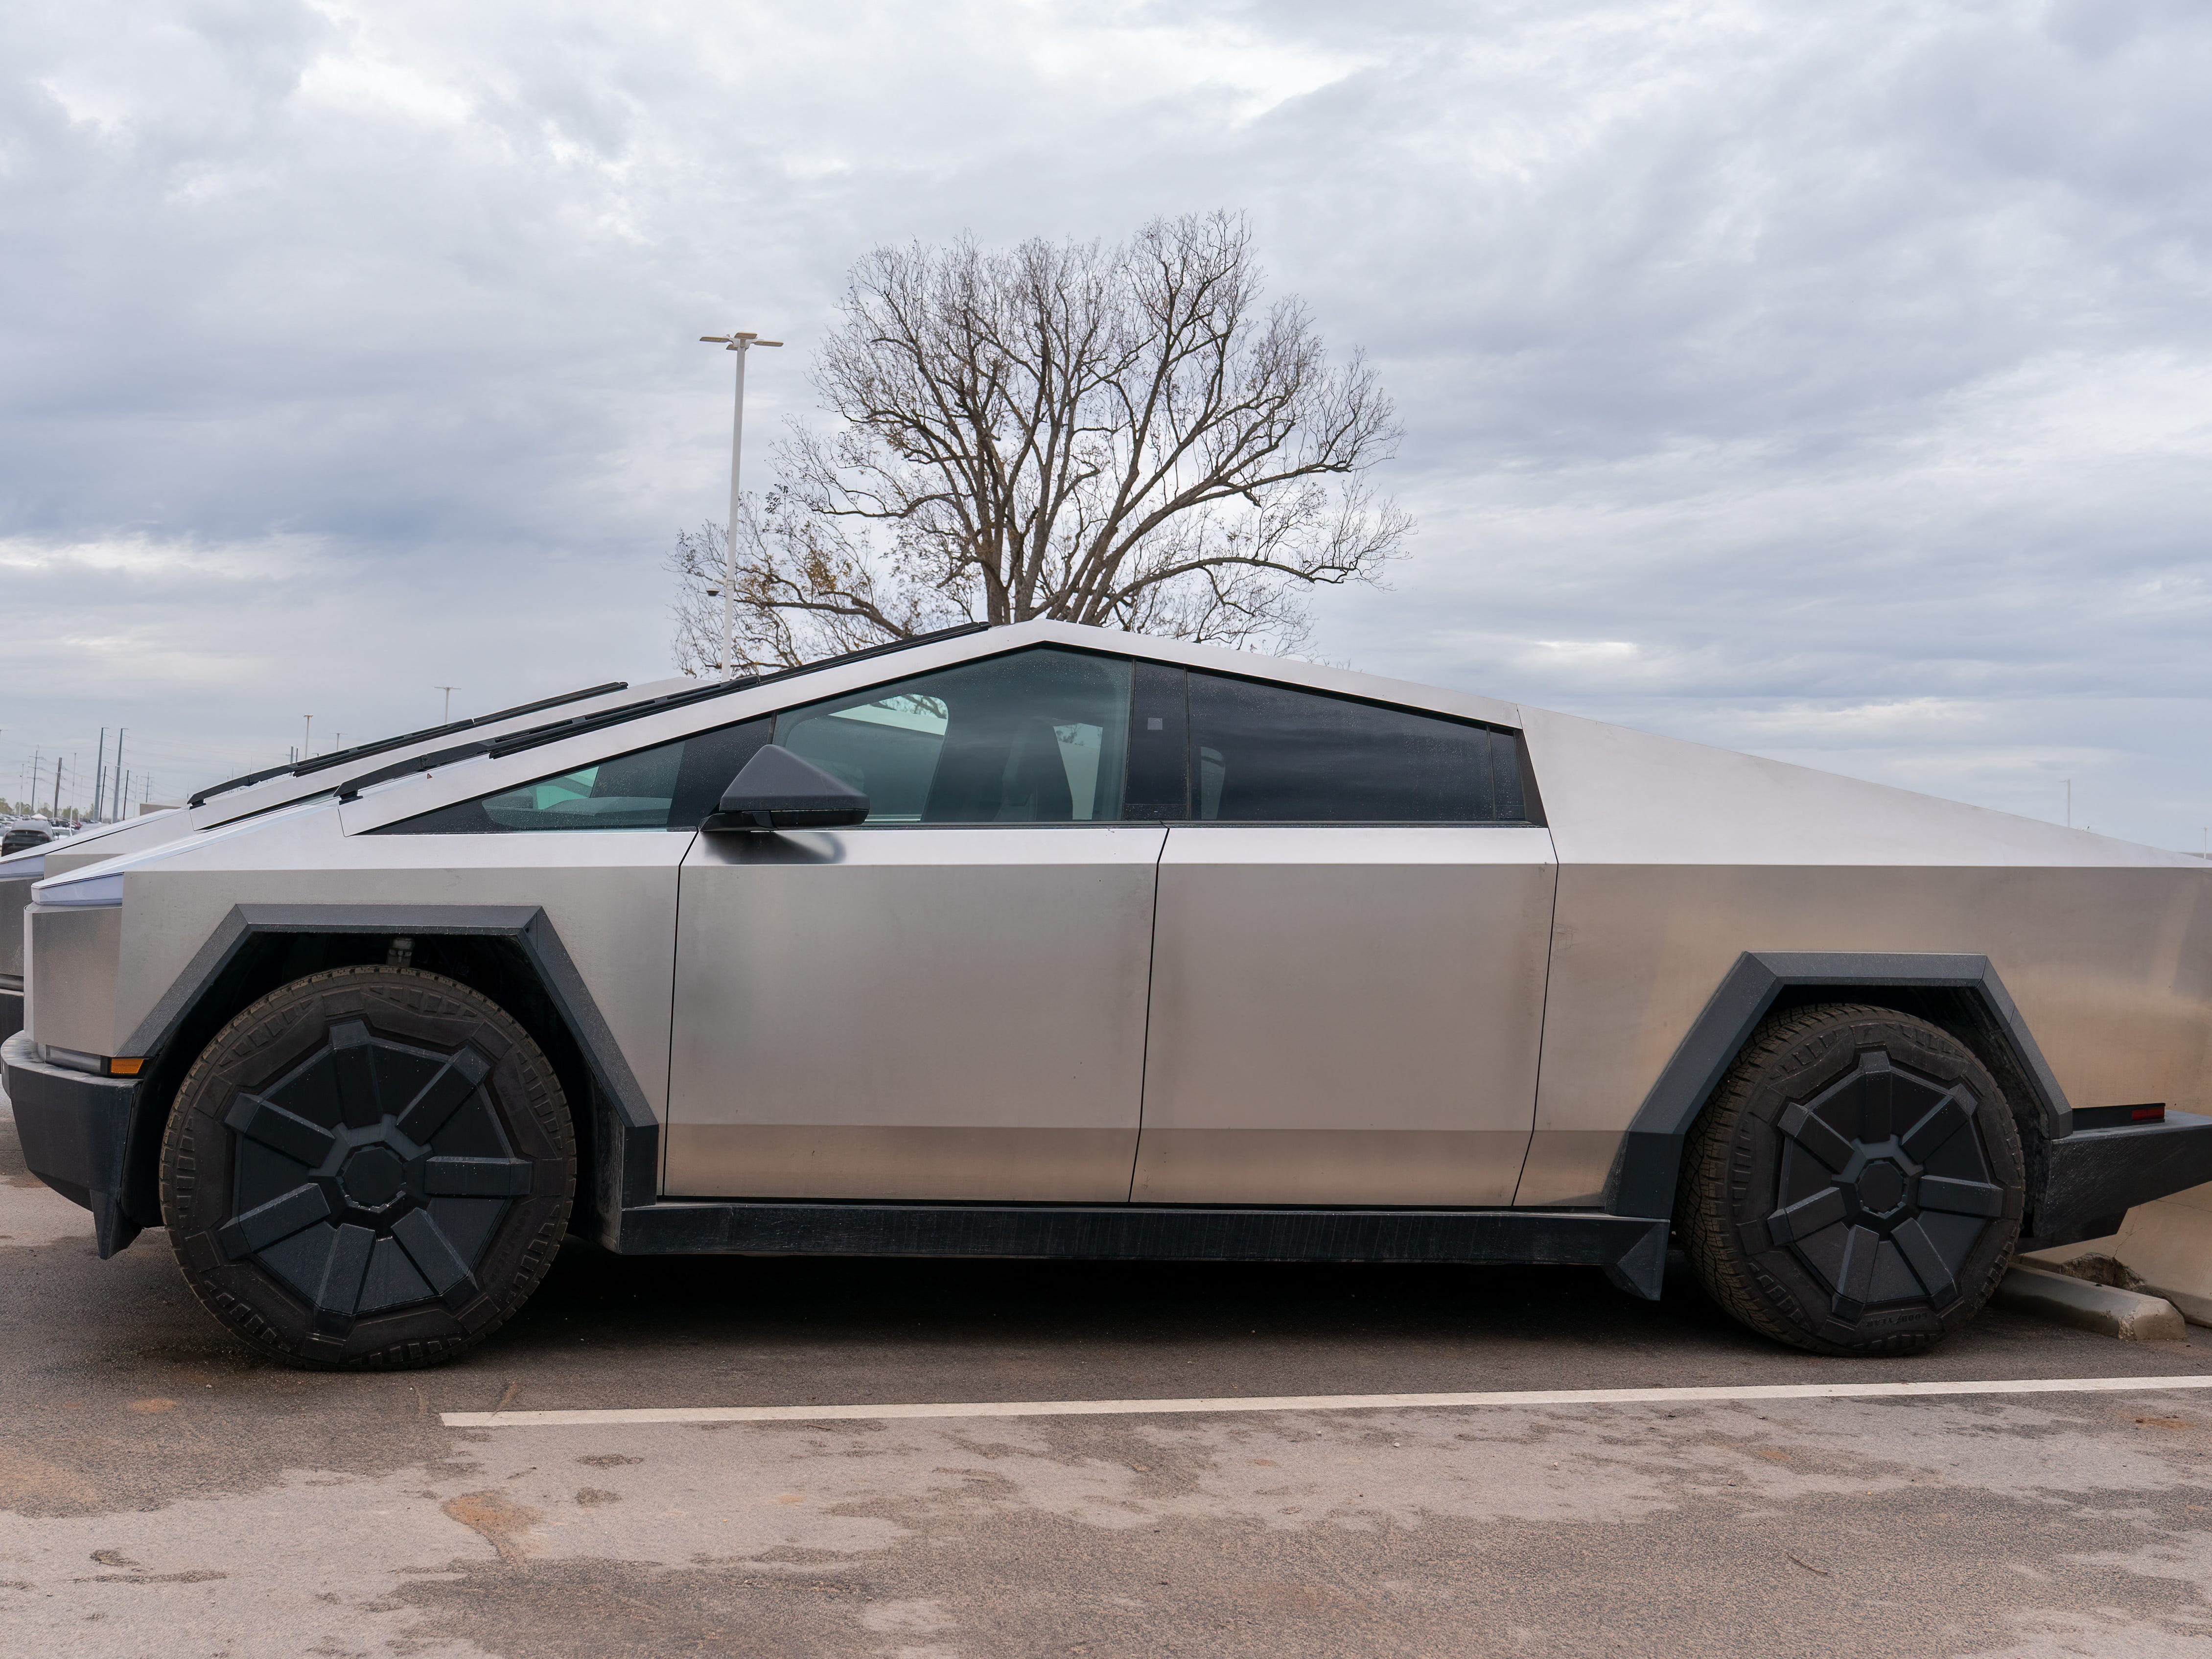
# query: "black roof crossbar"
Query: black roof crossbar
{"points": [[361, 751], [538, 737]]}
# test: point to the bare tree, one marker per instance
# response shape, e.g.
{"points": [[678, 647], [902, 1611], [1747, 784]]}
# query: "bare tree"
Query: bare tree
{"points": [[1127, 437]]}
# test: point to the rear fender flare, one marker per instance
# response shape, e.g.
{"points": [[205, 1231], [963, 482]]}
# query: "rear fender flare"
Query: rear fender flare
{"points": [[1648, 1166]]}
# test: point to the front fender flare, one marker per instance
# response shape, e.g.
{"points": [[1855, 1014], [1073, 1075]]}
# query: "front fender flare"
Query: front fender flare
{"points": [[619, 1119]]}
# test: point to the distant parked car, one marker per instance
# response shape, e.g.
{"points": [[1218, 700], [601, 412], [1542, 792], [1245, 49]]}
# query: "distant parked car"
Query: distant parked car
{"points": [[21, 837], [1047, 941]]}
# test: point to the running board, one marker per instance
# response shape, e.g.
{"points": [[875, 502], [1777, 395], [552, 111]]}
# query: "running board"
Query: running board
{"points": [[1632, 1249]]}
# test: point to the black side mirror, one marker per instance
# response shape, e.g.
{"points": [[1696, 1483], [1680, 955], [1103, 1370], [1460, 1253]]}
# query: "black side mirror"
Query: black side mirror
{"points": [[777, 790]]}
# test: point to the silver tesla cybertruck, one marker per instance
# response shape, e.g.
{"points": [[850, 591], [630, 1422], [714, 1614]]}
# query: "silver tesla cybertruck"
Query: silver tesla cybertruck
{"points": [[1047, 941]]}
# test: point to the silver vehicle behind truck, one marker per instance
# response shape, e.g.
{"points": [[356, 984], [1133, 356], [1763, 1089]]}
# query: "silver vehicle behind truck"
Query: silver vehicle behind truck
{"points": [[1048, 941], [247, 797]]}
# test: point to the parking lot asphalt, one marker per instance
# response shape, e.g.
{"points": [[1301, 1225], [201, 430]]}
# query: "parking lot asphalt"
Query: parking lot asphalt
{"points": [[164, 1493]]}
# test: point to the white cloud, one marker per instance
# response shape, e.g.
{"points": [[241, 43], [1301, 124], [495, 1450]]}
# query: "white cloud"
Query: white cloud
{"points": [[1827, 381], [356, 84]]}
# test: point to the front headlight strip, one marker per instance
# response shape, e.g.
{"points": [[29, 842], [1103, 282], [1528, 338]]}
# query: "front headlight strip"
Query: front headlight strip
{"points": [[105, 888]]}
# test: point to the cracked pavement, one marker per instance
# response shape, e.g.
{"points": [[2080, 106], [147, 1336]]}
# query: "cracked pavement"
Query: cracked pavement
{"points": [[163, 1492]]}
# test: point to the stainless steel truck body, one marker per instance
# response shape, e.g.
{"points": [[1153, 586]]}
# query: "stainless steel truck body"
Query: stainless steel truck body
{"points": [[1087, 944]]}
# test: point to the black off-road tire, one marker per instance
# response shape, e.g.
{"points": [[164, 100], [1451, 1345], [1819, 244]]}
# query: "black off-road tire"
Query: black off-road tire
{"points": [[368, 1167], [1854, 1185]]}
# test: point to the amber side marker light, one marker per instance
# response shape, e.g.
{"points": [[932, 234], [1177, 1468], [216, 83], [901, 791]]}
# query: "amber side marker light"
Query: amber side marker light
{"points": [[130, 1067]]}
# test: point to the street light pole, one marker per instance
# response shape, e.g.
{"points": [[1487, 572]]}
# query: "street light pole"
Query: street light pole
{"points": [[740, 341], [447, 718]]}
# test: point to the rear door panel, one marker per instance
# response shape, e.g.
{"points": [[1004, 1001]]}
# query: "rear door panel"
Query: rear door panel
{"points": [[1344, 1015]]}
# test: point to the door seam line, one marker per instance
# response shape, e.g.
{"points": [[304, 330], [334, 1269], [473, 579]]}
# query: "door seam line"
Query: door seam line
{"points": [[1543, 1022], [1145, 1052], [675, 960]]}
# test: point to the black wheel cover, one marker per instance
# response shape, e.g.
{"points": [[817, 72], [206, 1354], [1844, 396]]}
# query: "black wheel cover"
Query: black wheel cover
{"points": [[1884, 1188], [369, 1166], [1856, 1184]]}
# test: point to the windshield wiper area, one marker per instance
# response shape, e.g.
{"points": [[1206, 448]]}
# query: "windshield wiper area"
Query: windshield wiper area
{"points": [[538, 737], [229, 784], [414, 763], [363, 751]]}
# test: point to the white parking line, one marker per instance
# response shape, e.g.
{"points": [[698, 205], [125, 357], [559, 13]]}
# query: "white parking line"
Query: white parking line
{"points": [[1316, 1402]]}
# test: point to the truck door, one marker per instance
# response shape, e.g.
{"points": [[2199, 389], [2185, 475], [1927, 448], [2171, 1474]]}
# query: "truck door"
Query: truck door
{"points": [[1353, 926], [948, 1001]]}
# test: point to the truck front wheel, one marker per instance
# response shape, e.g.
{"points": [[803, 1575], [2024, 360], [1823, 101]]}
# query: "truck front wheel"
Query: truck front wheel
{"points": [[368, 1167]]}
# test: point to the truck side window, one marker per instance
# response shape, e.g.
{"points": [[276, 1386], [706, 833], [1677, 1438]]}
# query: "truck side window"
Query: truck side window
{"points": [[1263, 754], [1035, 737]]}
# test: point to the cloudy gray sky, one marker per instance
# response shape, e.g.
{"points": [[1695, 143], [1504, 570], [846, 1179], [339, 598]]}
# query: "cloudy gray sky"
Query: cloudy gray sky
{"points": [[1830, 380]]}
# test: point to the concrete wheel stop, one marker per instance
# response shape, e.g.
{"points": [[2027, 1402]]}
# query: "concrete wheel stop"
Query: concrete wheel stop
{"points": [[2130, 1315]]}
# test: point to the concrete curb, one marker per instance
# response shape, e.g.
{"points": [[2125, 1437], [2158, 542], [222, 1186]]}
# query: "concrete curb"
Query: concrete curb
{"points": [[2196, 1309], [2124, 1314]]}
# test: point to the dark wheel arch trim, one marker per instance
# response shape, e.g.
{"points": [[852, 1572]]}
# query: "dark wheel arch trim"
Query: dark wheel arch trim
{"points": [[624, 1133], [2080, 1182]]}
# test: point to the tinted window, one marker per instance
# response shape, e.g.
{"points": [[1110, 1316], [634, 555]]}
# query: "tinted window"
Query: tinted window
{"points": [[1049, 736], [1034, 737], [670, 787], [1159, 744], [1267, 754]]}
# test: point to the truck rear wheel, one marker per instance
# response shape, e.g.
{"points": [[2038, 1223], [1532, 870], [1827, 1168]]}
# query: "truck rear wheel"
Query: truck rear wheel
{"points": [[1854, 1185], [368, 1167]]}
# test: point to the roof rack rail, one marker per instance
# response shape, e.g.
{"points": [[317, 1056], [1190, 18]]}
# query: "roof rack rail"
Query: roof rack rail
{"points": [[538, 737], [361, 751]]}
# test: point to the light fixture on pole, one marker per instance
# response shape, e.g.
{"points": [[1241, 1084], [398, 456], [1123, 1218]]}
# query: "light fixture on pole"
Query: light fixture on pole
{"points": [[740, 341]]}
